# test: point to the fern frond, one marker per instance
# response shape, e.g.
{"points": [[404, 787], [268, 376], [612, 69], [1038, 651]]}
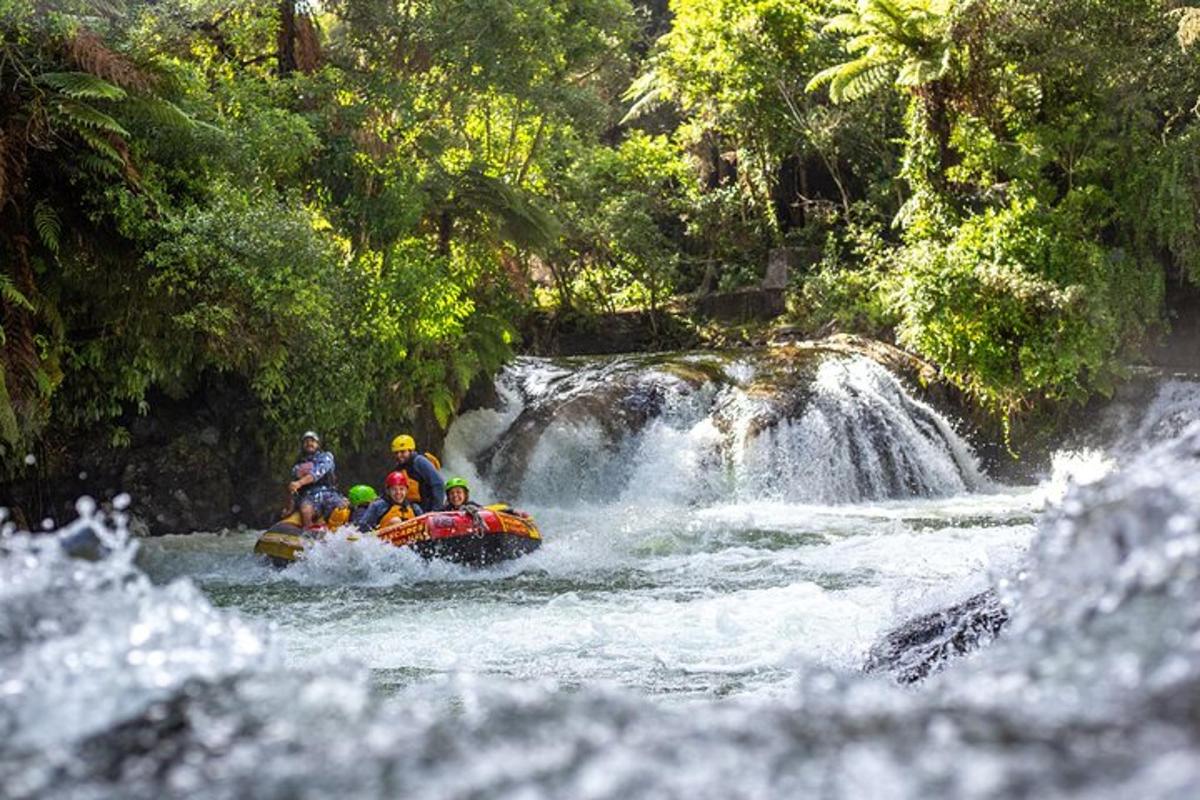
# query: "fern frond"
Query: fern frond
{"points": [[522, 220], [861, 42], [872, 77], [843, 23], [647, 92], [82, 115], [90, 54], [99, 165], [12, 295], [102, 146], [823, 77], [854, 79], [161, 112], [48, 225], [81, 85], [916, 72], [443, 405]]}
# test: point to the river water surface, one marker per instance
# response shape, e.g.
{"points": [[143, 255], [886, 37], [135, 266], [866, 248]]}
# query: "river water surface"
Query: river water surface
{"points": [[722, 549]]}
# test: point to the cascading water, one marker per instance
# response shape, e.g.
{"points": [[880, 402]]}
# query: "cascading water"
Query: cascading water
{"points": [[838, 431], [695, 627]]}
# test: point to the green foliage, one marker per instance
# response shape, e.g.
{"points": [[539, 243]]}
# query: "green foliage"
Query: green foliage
{"points": [[348, 239], [346, 216], [1018, 305], [735, 70], [1049, 183], [49, 226], [81, 85], [622, 207], [902, 42], [849, 290]]}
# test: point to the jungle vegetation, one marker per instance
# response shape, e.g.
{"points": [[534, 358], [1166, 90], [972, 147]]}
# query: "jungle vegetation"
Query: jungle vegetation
{"points": [[347, 205]]}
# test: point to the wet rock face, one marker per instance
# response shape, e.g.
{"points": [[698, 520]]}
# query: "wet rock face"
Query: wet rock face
{"points": [[142, 749], [925, 644], [617, 400], [189, 464]]}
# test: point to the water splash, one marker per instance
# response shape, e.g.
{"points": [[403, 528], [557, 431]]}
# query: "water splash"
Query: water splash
{"points": [[1176, 405], [1091, 693], [110, 686], [83, 643], [860, 437]]}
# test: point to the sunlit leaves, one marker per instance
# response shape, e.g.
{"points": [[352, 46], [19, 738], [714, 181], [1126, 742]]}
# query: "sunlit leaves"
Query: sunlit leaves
{"points": [[900, 41]]}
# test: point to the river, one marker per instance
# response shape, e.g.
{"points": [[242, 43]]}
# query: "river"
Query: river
{"points": [[725, 542]]}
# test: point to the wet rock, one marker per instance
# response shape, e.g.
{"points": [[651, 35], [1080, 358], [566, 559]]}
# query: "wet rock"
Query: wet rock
{"points": [[143, 750], [617, 400], [85, 543], [924, 645]]}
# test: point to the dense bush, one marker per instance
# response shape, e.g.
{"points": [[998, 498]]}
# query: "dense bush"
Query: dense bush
{"points": [[337, 211], [1019, 305]]}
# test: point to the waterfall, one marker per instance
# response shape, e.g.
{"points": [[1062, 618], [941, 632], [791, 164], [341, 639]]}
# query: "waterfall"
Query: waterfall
{"points": [[695, 428]]}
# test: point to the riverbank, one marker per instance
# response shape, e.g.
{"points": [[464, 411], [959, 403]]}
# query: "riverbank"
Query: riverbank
{"points": [[198, 463]]}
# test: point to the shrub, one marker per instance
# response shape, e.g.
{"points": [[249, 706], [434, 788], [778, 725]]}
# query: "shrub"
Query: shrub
{"points": [[1023, 303]]}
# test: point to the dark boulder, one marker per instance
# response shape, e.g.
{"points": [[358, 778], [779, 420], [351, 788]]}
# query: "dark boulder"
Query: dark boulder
{"points": [[925, 644]]}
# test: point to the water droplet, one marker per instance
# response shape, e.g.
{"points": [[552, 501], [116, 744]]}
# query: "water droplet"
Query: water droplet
{"points": [[30, 459], [122, 501], [139, 634], [85, 506]]}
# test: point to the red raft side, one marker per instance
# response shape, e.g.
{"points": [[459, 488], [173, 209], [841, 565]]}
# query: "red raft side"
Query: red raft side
{"points": [[477, 539]]}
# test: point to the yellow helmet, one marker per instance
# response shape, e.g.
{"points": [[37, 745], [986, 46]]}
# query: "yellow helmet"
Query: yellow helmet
{"points": [[403, 442]]}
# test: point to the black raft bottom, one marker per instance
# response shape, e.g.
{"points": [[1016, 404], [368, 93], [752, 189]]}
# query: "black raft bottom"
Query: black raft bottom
{"points": [[478, 549]]}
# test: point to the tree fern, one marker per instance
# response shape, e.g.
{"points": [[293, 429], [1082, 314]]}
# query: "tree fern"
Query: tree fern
{"points": [[10, 430], [902, 41], [83, 116], [522, 220], [161, 112], [11, 294], [81, 85], [48, 225]]}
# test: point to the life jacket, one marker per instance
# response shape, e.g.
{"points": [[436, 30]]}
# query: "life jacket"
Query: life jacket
{"points": [[305, 466], [395, 514], [414, 485], [338, 517]]}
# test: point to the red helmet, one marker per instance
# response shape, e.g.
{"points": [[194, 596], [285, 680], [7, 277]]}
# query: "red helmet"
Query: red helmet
{"points": [[396, 479]]}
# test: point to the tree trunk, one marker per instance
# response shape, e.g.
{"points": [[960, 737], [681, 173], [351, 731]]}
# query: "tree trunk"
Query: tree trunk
{"points": [[287, 38], [445, 232]]}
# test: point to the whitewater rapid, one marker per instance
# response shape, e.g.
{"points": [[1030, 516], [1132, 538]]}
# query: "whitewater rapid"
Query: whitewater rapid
{"points": [[686, 631]]}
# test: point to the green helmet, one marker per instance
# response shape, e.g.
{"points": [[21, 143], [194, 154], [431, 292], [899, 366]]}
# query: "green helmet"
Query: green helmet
{"points": [[361, 494], [458, 483]]}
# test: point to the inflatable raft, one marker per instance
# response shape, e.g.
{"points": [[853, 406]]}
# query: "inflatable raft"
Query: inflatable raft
{"points": [[475, 538]]}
